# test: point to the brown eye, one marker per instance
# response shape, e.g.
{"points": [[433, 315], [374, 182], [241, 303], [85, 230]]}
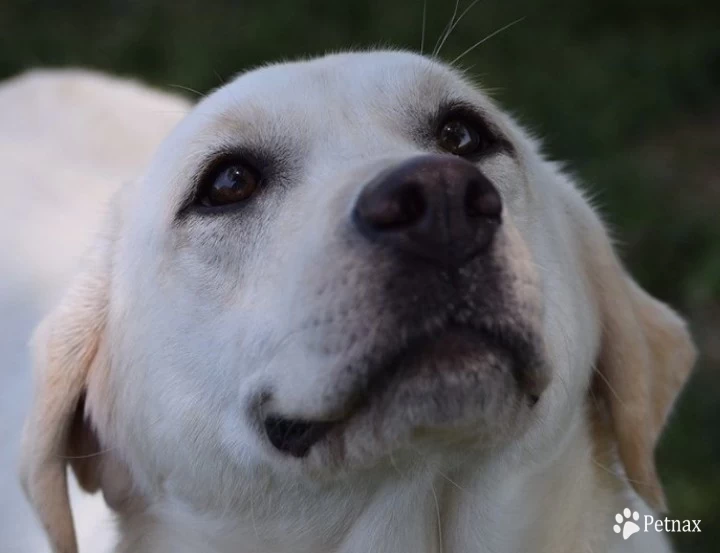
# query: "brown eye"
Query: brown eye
{"points": [[459, 137], [228, 184]]}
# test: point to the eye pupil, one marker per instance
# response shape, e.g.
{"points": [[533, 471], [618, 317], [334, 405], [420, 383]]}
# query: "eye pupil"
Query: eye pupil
{"points": [[228, 185], [459, 138]]}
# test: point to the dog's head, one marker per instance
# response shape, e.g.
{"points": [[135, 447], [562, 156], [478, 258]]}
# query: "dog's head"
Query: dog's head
{"points": [[330, 265]]}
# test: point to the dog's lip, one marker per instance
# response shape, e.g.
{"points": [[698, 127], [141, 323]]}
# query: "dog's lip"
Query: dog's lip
{"points": [[296, 436]]}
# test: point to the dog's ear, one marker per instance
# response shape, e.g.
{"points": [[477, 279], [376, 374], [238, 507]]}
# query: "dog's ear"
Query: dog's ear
{"points": [[646, 355], [66, 348]]}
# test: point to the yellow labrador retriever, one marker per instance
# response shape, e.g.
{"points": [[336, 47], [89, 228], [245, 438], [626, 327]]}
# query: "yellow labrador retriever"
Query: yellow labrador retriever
{"points": [[349, 307]]}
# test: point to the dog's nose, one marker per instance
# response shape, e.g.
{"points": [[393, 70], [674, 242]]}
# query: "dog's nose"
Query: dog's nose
{"points": [[438, 207]]}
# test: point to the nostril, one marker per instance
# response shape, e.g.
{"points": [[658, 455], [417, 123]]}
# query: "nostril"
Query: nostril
{"points": [[402, 208], [413, 204], [482, 200]]}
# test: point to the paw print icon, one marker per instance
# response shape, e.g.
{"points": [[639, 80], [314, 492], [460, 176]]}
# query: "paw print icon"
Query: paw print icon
{"points": [[627, 523]]}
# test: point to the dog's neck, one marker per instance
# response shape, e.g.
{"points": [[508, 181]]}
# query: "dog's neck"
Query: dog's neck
{"points": [[565, 507]]}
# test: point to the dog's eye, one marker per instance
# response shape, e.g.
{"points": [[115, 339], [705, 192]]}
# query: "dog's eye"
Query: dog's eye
{"points": [[229, 183], [460, 137]]}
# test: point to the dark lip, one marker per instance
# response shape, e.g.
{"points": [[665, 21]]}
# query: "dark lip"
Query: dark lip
{"points": [[296, 437]]}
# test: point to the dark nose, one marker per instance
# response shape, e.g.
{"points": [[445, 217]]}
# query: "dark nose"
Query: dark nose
{"points": [[437, 207]]}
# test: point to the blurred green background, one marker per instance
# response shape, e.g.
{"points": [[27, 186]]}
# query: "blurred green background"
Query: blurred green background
{"points": [[627, 92]]}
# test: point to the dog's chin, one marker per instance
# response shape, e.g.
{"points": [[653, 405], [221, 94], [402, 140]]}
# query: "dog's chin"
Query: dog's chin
{"points": [[460, 385]]}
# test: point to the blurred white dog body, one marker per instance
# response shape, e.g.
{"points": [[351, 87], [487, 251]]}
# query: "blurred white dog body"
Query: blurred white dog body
{"points": [[68, 140], [194, 330]]}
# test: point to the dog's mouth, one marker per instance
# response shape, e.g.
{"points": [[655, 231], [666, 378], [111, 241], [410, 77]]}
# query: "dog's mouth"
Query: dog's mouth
{"points": [[295, 437], [433, 366]]}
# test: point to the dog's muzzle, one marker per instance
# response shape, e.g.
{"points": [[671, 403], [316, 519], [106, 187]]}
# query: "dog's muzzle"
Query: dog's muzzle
{"points": [[435, 222]]}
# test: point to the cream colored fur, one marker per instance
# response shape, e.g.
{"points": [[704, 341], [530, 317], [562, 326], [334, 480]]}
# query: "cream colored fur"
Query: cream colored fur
{"points": [[163, 342], [68, 139]]}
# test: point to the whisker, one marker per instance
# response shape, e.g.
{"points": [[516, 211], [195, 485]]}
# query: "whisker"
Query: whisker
{"points": [[491, 35], [87, 456], [439, 519], [188, 89], [458, 486], [394, 464], [223, 82], [446, 29], [447, 35], [610, 387], [620, 474], [252, 516], [424, 18], [164, 111]]}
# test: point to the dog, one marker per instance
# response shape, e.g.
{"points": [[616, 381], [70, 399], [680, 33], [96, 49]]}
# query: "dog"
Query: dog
{"points": [[350, 306]]}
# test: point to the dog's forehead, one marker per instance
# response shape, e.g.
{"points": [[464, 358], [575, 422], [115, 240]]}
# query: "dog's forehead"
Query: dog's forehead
{"points": [[346, 75], [348, 84]]}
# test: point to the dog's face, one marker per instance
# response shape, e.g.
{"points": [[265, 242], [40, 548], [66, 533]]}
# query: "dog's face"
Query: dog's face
{"points": [[336, 259], [335, 264]]}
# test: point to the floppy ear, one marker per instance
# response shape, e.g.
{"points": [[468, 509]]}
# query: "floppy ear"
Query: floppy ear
{"points": [[645, 358], [65, 348]]}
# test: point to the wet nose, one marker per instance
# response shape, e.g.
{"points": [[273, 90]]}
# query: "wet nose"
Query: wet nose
{"points": [[440, 208]]}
